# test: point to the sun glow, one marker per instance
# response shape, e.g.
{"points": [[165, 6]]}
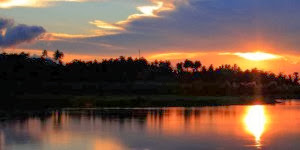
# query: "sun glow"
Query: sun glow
{"points": [[149, 10], [174, 56], [255, 121], [257, 56]]}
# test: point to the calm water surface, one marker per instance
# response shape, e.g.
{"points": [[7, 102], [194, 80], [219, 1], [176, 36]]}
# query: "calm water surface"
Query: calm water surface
{"points": [[229, 127]]}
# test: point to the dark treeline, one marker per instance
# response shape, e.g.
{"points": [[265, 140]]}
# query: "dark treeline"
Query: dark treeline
{"points": [[21, 74]]}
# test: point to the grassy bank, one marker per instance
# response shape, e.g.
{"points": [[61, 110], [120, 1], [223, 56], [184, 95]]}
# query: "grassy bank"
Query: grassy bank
{"points": [[163, 101], [60, 101]]}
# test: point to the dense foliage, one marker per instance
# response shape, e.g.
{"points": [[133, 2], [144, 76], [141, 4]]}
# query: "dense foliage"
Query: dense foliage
{"points": [[21, 74]]}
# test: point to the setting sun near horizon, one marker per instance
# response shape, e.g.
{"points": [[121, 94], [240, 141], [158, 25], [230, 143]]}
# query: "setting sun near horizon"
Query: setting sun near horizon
{"points": [[257, 56]]}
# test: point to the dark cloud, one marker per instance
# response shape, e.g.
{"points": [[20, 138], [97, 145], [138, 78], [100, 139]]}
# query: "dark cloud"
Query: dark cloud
{"points": [[215, 25], [5, 23], [206, 25], [12, 34]]}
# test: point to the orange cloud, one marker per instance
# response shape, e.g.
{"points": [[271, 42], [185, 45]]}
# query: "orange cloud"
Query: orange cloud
{"points": [[60, 36], [118, 27], [150, 11], [31, 3], [175, 56], [107, 26]]}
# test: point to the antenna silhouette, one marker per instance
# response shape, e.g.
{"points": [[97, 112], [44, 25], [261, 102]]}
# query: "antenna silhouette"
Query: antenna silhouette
{"points": [[139, 54]]}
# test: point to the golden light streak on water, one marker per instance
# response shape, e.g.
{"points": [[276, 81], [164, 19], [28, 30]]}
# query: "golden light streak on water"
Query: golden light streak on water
{"points": [[255, 121]]}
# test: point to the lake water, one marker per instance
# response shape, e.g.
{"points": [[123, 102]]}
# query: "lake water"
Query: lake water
{"points": [[225, 127]]}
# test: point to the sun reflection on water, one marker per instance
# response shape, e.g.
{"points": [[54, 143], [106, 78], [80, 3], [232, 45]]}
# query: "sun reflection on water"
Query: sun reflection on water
{"points": [[255, 121]]}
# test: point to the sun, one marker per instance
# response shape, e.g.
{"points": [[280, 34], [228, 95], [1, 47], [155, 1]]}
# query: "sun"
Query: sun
{"points": [[257, 56]]}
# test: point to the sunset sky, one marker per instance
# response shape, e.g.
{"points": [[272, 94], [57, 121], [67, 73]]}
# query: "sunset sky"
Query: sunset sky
{"points": [[251, 33]]}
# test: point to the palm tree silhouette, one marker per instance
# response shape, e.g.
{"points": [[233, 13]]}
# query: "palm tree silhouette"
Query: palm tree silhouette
{"points": [[197, 65], [58, 55]]}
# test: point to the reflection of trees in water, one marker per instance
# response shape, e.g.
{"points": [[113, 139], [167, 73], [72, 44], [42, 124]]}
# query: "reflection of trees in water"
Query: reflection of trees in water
{"points": [[57, 119], [107, 115], [111, 115], [32, 127], [2, 141], [177, 121], [189, 115], [119, 117]]}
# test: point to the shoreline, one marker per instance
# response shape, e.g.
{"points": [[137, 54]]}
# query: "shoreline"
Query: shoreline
{"points": [[37, 105], [87, 101]]}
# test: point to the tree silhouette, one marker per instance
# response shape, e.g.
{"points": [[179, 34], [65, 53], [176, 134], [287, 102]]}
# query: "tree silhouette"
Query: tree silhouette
{"points": [[179, 67], [188, 64], [58, 55], [204, 70], [197, 65], [133, 75], [211, 68], [296, 77], [44, 54]]}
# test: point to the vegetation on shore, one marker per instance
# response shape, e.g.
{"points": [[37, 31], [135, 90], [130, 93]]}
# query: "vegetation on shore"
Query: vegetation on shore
{"points": [[189, 83], [137, 101]]}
